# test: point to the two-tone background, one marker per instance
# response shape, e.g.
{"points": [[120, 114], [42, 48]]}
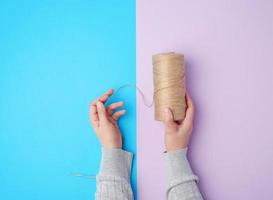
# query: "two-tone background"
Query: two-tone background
{"points": [[56, 56]]}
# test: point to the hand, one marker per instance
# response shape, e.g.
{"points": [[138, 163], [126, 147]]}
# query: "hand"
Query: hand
{"points": [[104, 121], [177, 134]]}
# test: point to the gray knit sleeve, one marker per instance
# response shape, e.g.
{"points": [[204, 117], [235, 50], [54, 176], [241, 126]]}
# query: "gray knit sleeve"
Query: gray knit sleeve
{"points": [[181, 182], [113, 180]]}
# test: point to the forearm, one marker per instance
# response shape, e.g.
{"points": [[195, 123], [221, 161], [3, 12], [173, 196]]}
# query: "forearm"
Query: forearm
{"points": [[181, 182], [113, 180]]}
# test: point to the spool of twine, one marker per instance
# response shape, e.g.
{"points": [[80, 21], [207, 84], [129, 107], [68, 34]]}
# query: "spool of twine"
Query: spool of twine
{"points": [[169, 84]]}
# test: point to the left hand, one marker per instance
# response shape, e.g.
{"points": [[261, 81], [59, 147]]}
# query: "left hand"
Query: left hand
{"points": [[104, 121]]}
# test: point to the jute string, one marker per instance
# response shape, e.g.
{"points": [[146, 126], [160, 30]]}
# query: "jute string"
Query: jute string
{"points": [[169, 85], [169, 89]]}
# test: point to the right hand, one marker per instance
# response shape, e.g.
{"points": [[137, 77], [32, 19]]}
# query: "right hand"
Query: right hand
{"points": [[177, 134]]}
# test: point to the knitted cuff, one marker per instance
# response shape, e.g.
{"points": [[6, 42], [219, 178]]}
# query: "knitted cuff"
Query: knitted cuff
{"points": [[178, 166], [116, 162]]}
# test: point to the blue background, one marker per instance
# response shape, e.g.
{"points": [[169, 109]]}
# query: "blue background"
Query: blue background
{"points": [[55, 57]]}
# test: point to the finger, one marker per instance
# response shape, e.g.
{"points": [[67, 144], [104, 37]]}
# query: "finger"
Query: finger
{"points": [[93, 114], [106, 96], [101, 111], [118, 114], [190, 110], [113, 106], [168, 117], [94, 103]]}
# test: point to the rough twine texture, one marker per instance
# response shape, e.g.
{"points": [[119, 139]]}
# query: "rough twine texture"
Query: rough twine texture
{"points": [[169, 84]]}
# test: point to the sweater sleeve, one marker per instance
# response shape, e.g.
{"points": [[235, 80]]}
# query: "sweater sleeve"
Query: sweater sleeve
{"points": [[181, 182], [113, 180]]}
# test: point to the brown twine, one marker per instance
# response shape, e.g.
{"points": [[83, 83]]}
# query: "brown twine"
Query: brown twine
{"points": [[169, 85]]}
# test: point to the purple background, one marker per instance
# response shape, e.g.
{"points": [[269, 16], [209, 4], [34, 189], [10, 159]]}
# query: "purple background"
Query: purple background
{"points": [[228, 47]]}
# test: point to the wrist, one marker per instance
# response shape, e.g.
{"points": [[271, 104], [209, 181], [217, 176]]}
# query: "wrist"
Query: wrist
{"points": [[171, 148], [111, 146], [111, 143]]}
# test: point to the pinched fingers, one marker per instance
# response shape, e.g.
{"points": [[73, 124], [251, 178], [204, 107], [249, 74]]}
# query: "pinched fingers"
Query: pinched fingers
{"points": [[94, 109], [102, 113], [104, 97]]}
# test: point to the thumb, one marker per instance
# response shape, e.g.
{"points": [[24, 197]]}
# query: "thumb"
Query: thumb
{"points": [[101, 111], [168, 117]]}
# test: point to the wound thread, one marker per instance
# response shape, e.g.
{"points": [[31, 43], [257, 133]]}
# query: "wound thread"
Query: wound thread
{"points": [[169, 85]]}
